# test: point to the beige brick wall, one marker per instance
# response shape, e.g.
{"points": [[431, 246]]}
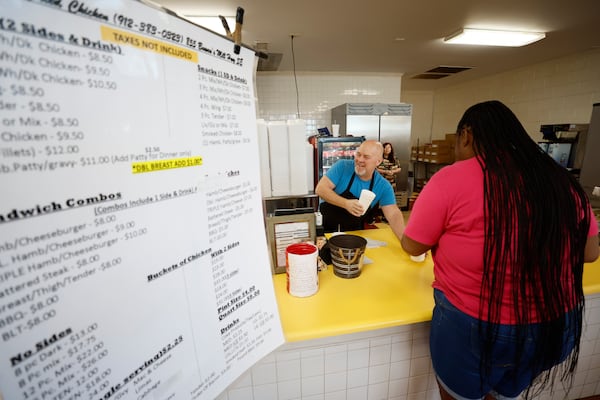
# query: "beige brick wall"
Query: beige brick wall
{"points": [[558, 91]]}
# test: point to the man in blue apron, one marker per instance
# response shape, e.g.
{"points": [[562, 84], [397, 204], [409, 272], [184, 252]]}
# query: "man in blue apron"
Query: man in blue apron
{"points": [[340, 189]]}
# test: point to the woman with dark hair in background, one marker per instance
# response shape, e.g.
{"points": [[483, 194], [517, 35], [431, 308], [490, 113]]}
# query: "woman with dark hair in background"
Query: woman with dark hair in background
{"points": [[389, 167], [510, 230]]}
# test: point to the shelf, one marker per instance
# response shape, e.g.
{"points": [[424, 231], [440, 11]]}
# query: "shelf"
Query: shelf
{"points": [[304, 196], [422, 175], [270, 204]]}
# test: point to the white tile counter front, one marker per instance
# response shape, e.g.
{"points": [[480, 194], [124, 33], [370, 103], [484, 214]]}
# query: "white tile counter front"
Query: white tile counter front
{"points": [[368, 338], [391, 363]]}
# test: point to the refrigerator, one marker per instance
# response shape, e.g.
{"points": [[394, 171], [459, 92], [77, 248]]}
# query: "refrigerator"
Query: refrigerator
{"points": [[590, 166], [384, 122], [330, 149]]}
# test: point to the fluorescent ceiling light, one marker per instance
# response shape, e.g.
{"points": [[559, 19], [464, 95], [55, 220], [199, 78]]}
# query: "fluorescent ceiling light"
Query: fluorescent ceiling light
{"points": [[212, 22], [486, 37]]}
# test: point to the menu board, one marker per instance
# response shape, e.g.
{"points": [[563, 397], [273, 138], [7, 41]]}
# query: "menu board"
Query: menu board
{"points": [[133, 256]]}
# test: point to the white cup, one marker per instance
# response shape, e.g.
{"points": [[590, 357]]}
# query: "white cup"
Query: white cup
{"points": [[301, 269], [365, 199], [336, 130], [419, 258]]}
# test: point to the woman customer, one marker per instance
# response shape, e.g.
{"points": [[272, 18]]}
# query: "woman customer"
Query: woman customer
{"points": [[389, 167], [509, 230]]}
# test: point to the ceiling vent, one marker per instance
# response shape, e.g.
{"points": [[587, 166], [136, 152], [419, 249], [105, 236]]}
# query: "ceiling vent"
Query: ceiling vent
{"points": [[441, 71], [429, 76], [267, 61]]}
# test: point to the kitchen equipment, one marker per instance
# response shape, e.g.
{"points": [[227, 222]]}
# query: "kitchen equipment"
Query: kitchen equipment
{"points": [[590, 166], [385, 123], [566, 144], [331, 149]]}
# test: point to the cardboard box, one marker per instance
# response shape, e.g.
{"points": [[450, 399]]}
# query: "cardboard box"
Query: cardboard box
{"points": [[441, 159], [437, 148], [438, 151]]}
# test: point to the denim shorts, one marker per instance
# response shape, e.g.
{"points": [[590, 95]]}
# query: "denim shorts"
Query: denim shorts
{"points": [[455, 346]]}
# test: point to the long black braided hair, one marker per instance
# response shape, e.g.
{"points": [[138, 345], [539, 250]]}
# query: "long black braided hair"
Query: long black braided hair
{"points": [[536, 224]]}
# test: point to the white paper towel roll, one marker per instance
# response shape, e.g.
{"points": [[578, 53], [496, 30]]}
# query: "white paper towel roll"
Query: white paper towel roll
{"points": [[297, 156], [279, 154], [263, 152]]}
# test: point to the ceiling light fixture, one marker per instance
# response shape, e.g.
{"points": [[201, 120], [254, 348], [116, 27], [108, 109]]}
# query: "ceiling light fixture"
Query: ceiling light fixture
{"points": [[488, 37]]}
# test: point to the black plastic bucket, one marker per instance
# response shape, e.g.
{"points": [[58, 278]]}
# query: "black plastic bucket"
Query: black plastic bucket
{"points": [[347, 253]]}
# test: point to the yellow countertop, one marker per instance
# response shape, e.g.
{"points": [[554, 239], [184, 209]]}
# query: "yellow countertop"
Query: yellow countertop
{"points": [[391, 291]]}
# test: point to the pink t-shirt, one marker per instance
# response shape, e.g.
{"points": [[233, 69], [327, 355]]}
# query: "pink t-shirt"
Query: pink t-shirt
{"points": [[449, 212]]}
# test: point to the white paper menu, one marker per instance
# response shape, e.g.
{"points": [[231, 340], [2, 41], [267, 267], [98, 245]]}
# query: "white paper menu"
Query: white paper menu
{"points": [[133, 257]]}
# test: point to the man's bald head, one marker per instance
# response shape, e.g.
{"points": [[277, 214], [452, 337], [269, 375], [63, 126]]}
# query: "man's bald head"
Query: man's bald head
{"points": [[367, 157]]}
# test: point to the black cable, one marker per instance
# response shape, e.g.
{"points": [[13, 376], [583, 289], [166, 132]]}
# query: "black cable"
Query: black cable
{"points": [[295, 79]]}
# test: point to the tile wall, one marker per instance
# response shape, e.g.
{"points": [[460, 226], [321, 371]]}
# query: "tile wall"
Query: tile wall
{"points": [[557, 91], [318, 93], [388, 364]]}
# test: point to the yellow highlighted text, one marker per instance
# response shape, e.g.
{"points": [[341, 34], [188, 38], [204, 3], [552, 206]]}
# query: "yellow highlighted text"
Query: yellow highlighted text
{"points": [[142, 42], [160, 165]]}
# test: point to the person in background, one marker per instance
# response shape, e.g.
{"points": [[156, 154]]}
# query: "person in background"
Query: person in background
{"points": [[389, 167], [509, 230], [340, 189]]}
